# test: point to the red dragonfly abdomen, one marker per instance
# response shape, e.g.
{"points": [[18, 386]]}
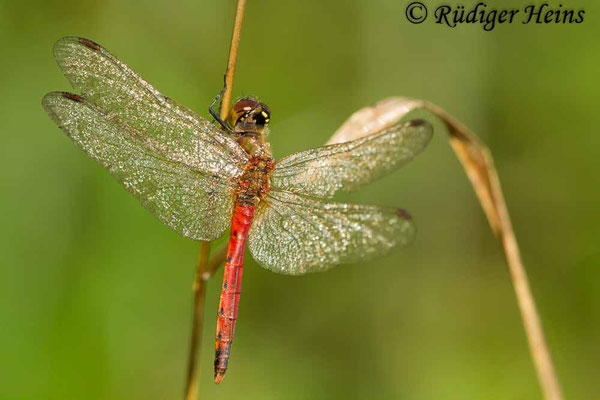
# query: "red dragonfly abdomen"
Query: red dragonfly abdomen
{"points": [[232, 286]]}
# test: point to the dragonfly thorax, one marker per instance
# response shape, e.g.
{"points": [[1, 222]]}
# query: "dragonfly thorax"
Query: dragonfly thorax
{"points": [[248, 119], [255, 181]]}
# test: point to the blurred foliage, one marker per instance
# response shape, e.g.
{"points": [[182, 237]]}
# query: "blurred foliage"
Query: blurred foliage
{"points": [[96, 293]]}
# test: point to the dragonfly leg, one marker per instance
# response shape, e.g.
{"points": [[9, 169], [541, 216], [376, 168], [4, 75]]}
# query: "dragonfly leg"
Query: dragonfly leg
{"points": [[214, 114]]}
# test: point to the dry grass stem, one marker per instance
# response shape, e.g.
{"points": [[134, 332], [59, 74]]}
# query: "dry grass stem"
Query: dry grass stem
{"points": [[233, 52], [204, 268], [199, 294], [479, 167], [214, 263], [478, 163]]}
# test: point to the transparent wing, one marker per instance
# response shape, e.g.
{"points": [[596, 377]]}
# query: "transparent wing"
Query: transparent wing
{"points": [[294, 234], [114, 87], [373, 119], [194, 203], [322, 171]]}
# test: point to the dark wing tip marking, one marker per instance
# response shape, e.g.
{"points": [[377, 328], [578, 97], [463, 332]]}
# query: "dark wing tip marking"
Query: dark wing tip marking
{"points": [[402, 213], [424, 128], [417, 122], [72, 96], [90, 43]]}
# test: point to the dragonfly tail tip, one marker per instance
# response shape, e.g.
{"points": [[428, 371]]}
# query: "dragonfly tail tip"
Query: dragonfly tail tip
{"points": [[219, 376]]}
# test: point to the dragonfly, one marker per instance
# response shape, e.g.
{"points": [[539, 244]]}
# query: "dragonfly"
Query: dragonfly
{"points": [[202, 178]]}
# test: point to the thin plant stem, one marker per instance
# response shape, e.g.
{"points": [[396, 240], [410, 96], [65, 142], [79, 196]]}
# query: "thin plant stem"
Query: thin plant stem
{"points": [[479, 166], [197, 319], [204, 272], [214, 263], [233, 52], [204, 268]]}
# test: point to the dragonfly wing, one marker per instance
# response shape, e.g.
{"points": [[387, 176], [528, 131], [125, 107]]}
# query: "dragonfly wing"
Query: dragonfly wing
{"points": [[115, 88], [322, 171], [194, 203], [373, 119], [294, 234]]}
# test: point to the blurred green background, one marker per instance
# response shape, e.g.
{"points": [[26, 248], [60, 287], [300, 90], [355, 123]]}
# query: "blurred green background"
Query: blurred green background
{"points": [[96, 292]]}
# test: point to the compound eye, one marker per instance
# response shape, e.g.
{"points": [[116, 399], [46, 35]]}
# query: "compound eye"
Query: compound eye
{"points": [[261, 118], [244, 105], [266, 109], [265, 113], [242, 117], [240, 111]]}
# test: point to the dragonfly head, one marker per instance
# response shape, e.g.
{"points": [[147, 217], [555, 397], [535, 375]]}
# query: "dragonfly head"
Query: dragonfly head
{"points": [[248, 115]]}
